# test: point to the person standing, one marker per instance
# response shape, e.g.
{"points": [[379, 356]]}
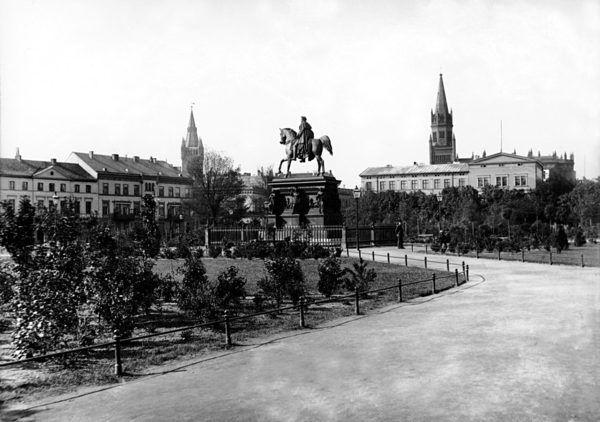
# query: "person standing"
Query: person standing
{"points": [[400, 234]]}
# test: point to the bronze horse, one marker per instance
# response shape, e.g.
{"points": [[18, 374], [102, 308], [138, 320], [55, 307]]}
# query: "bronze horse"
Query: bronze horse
{"points": [[315, 149]]}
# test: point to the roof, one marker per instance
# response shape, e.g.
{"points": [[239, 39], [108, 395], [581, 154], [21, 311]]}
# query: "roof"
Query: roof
{"points": [[504, 157], [192, 140], [441, 105], [27, 168], [416, 169], [106, 164]]}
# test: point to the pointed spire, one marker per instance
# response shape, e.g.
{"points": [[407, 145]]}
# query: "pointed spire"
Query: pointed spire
{"points": [[441, 105], [192, 132]]}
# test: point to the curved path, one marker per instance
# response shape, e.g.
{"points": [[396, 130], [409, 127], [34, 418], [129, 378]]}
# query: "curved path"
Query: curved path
{"points": [[518, 342]]}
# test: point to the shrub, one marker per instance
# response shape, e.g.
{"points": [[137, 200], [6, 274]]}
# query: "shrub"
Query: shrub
{"points": [[579, 239], [330, 276], [195, 295], [214, 251], [284, 279], [361, 277], [229, 287], [316, 252]]}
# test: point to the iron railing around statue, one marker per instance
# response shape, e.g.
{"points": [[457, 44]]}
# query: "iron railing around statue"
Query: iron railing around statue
{"points": [[330, 236], [370, 236]]}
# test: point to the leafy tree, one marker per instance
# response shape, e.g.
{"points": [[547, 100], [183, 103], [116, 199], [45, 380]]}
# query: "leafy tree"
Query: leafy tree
{"points": [[217, 186], [331, 275], [361, 277], [195, 295], [284, 279]]}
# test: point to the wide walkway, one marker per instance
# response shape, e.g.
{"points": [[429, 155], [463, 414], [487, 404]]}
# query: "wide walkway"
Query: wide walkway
{"points": [[518, 342]]}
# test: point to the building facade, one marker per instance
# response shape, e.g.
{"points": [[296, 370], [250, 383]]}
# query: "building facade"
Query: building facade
{"points": [[504, 170]]}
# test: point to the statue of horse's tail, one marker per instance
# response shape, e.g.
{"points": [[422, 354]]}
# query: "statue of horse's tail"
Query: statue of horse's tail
{"points": [[327, 143]]}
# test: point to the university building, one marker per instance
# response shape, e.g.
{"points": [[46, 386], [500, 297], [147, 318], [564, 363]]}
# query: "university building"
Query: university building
{"points": [[446, 169]]}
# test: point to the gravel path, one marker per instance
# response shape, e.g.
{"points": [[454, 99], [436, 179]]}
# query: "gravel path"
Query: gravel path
{"points": [[518, 342]]}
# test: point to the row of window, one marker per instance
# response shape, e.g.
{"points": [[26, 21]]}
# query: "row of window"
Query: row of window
{"points": [[149, 187], [414, 184], [51, 187], [501, 181], [126, 209]]}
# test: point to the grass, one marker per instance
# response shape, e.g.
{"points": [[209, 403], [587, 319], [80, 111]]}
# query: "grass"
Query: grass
{"points": [[571, 256], [96, 367]]}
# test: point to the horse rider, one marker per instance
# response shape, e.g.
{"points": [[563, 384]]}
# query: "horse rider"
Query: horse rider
{"points": [[305, 135]]}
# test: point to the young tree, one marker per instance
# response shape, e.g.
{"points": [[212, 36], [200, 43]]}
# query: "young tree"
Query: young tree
{"points": [[217, 185]]}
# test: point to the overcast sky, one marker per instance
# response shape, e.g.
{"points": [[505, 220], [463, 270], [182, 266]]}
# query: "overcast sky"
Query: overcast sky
{"points": [[120, 77]]}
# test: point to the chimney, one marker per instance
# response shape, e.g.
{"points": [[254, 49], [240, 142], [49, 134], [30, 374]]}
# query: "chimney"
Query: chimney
{"points": [[18, 156], [136, 158], [115, 157], [53, 161], [92, 155]]}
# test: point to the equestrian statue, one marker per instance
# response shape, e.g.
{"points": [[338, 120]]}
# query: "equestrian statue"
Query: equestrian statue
{"points": [[303, 146]]}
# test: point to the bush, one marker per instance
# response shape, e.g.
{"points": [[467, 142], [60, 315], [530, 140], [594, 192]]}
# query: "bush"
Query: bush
{"points": [[284, 279], [316, 252], [230, 287], [361, 277], [579, 238], [330, 276], [195, 295]]}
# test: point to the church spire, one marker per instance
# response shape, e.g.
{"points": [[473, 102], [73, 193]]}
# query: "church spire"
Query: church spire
{"points": [[441, 105], [191, 145], [191, 139]]}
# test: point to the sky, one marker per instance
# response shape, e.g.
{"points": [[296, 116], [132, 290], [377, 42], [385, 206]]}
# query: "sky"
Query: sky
{"points": [[121, 76]]}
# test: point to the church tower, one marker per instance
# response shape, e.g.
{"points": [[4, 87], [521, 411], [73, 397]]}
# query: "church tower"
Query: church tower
{"points": [[191, 145], [442, 144]]}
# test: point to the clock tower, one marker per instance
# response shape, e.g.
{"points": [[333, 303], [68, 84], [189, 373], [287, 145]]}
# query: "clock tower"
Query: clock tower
{"points": [[442, 144]]}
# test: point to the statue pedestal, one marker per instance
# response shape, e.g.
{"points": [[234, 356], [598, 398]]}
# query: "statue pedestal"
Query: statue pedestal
{"points": [[304, 199]]}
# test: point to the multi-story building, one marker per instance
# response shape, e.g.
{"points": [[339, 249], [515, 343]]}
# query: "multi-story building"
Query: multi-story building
{"points": [[47, 184], [123, 181], [446, 169]]}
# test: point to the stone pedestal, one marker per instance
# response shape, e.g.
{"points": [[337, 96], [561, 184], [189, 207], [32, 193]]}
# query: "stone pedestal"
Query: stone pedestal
{"points": [[303, 199]]}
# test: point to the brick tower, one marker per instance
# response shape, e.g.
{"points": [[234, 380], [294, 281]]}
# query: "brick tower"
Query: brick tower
{"points": [[442, 143], [191, 145]]}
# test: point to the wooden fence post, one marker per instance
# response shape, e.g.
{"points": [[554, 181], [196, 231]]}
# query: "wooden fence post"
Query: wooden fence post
{"points": [[425, 247], [448, 265], [227, 329], [467, 273], [388, 257], [464, 272], [582, 262], [550, 257], [373, 256], [406, 260], [425, 260], [302, 311], [399, 290], [433, 283], [456, 273], [118, 365], [498, 254], [356, 302]]}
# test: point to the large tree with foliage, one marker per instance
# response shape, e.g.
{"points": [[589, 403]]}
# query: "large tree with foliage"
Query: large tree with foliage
{"points": [[217, 186]]}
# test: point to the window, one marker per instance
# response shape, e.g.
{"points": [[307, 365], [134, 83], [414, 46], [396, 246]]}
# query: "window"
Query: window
{"points": [[425, 184], [161, 210], [177, 192], [442, 134], [24, 186], [381, 186], [392, 185], [11, 185], [40, 204], [436, 183], [117, 189], [149, 187], [403, 185], [446, 183], [414, 184], [88, 207], [136, 207], [483, 181], [171, 191], [51, 187], [136, 190], [368, 186], [187, 193], [88, 188], [63, 187], [77, 207], [161, 191], [501, 181], [105, 208], [77, 187], [126, 189], [11, 203], [461, 183], [104, 188], [40, 186], [520, 180]]}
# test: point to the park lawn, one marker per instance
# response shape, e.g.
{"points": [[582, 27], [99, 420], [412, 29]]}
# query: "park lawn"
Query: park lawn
{"points": [[96, 367]]}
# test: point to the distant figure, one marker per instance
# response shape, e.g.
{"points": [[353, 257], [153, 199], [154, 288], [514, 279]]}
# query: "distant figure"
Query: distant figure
{"points": [[443, 240], [400, 234]]}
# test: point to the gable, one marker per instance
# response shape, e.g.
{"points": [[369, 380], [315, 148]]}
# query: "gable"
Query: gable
{"points": [[503, 158], [52, 172]]}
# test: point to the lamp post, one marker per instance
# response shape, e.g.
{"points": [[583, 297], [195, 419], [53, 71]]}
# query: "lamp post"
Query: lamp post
{"points": [[356, 193]]}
